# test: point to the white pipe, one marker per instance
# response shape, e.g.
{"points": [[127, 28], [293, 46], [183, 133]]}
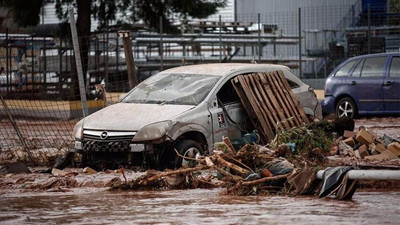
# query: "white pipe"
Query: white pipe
{"points": [[369, 174]]}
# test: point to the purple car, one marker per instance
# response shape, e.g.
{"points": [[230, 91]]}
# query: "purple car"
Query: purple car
{"points": [[364, 85]]}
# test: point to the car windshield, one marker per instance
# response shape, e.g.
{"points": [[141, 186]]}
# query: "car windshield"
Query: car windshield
{"points": [[178, 89]]}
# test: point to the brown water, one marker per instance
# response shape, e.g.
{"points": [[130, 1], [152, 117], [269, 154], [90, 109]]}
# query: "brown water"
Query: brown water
{"points": [[196, 207]]}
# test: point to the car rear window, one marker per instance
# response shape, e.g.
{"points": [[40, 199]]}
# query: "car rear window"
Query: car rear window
{"points": [[395, 67], [345, 70], [373, 67]]}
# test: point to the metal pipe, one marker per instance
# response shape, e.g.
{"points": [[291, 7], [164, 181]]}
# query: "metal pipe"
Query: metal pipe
{"points": [[369, 174]]}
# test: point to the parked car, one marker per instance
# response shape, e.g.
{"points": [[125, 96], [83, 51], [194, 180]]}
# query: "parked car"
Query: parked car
{"points": [[186, 108], [364, 85]]}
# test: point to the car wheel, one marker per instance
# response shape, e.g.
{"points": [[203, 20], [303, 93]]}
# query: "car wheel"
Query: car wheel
{"points": [[187, 148], [346, 107]]}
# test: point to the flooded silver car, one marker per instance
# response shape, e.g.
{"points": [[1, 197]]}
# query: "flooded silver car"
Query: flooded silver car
{"points": [[186, 109]]}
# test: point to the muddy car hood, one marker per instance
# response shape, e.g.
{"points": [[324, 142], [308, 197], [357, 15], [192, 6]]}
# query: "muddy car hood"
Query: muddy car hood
{"points": [[131, 116]]}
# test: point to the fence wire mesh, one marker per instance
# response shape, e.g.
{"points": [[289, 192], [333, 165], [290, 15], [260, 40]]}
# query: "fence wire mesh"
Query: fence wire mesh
{"points": [[39, 85]]}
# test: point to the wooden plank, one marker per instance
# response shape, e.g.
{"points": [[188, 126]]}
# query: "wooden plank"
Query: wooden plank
{"points": [[286, 84], [249, 109], [286, 92], [268, 100], [268, 94], [263, 103], [282, 100], [257, 108], [244, 99], [291, 98], [246, 104], [264, 98], [287, 99]]}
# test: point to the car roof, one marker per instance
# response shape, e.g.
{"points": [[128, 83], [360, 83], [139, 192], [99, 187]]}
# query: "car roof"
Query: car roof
{"points": [[373, 55], [222, 69]]}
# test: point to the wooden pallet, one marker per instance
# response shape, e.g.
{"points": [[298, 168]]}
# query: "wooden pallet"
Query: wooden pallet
{"points": [[269, 102]]}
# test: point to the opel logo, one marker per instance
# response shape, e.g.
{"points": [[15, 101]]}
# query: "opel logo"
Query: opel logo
{"points": [[104, 135]]}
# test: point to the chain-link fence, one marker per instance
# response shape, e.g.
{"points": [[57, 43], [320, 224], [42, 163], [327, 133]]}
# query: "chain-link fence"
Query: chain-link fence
{"points": [[40, 90]]}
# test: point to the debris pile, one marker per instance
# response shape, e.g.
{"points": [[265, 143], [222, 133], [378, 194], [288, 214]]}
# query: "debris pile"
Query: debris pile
{"points": [[287, 165], [364, 144], [252, 170]]}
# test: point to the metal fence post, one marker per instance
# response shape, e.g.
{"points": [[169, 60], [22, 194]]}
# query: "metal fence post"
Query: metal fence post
{"points": [[33, 64], [161, 45], [220, 38], [369, 29], [78, 61], [8, 58], [44, 61], [117, 53], [300, 67], [106, 55], [259, 36]]}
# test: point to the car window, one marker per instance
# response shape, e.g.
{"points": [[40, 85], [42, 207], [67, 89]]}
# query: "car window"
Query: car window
{"points": [[345, 70], [227, 94], [373, 67], [292, 84], [357, 70], [395, 67]]}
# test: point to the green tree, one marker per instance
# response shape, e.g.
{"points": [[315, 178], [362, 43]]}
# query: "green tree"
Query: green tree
{"points": [[26, 13]]}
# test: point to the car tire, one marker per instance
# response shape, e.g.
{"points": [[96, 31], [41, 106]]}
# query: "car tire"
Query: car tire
{"points": [[346, 107], [187, 148]]}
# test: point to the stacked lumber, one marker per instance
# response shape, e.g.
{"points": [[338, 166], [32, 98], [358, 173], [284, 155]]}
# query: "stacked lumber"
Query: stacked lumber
{"points": [[269, 102]]}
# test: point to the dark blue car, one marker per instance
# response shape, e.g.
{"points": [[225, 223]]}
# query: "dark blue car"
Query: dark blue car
{"points": [[364, 85]]}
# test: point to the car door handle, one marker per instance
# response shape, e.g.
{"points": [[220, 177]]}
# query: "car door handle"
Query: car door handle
{"points": [[388, 83], [353, 83]]}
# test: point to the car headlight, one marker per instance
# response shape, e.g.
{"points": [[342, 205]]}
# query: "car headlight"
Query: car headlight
{"points": [[153, 131], [78, 130]]}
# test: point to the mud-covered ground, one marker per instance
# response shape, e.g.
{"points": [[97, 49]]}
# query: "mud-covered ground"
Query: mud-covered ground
{"points": [[381, 125]]}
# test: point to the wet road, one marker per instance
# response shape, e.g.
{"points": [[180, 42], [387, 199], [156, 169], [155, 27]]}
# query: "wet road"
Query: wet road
{"points": [[197, 206]]}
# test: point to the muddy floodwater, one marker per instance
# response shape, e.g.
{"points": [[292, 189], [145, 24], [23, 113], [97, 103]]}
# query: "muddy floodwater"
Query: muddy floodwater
{"points": [[197, 206]]}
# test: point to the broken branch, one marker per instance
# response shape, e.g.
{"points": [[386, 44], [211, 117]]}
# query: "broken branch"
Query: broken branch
{"points": [[181, 171], [236, 168], [237, 161], [264, 179]]}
